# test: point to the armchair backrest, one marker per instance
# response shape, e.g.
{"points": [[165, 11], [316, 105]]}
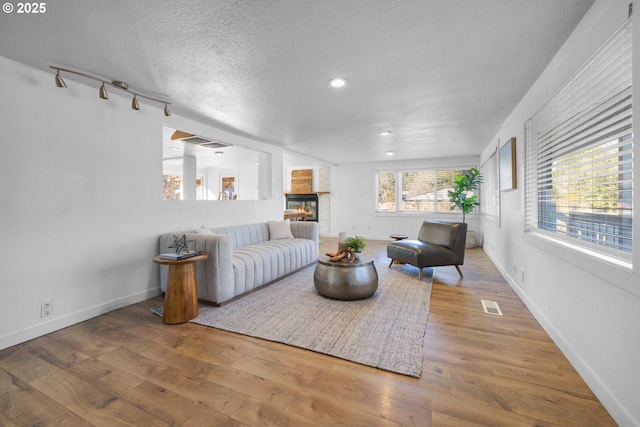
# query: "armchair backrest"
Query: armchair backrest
{"points": [[449, 235]]}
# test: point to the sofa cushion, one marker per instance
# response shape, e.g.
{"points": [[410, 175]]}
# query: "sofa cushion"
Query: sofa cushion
{"points": [[416, 252], [262, 263], [280, 230], [243, 235], [204, 230]]}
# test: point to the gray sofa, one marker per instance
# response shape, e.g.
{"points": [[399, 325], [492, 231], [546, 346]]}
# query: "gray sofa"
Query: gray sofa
{"points": [[243, 258]]}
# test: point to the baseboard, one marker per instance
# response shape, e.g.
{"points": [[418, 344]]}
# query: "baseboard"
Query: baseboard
{"points": [[60, 322], [608, 400]]}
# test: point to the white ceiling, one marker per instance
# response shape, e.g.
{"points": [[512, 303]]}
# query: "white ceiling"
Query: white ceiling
{"points": [[442, 75]]}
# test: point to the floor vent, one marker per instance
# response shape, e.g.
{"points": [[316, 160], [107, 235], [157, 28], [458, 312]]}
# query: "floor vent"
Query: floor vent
{"points": [[491, 307]]}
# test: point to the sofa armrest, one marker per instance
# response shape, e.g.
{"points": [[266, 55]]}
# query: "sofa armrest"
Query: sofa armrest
{"points": [[306, 230], [460, 240]]}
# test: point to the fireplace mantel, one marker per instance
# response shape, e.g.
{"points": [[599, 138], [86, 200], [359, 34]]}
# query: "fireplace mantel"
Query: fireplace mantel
{"points": [[310, 192]]}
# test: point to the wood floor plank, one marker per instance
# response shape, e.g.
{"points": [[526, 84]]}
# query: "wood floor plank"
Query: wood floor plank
{"points": [[91, 402], [129, 368], [257, 413], [328, 411], [179, 381], [177, 410], [450, 412], [242, 381], [544, 403], [6, 422], [377, 395], [28, 407]]}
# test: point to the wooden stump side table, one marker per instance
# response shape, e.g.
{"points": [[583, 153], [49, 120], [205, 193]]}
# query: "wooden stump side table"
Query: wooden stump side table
{"points": [[181, 294]]}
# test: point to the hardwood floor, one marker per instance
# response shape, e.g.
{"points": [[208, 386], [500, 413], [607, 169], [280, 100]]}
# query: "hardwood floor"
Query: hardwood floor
{"points": [[128, 368]]}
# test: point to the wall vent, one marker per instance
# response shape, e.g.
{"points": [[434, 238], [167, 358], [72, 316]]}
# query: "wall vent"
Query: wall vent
{"points": [[491, 307]]}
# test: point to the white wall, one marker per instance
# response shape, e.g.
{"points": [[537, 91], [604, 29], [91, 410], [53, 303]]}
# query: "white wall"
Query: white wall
{"points": [[591, 309], [353, 200], [81, 202]]}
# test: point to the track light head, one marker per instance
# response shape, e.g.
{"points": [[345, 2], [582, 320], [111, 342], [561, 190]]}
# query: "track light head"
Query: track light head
{"points": [[167, 113], [121, 85], [103, 92], [59, 81], [134, 103]]}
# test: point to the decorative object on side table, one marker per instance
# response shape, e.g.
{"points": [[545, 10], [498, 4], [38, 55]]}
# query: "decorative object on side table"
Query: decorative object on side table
{"points": [[463, 197], [344, 255], [356, 244], [181, 244], [342, 240]]}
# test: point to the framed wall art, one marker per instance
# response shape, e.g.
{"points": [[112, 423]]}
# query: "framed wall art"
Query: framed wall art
{"points": [[508, 165]]}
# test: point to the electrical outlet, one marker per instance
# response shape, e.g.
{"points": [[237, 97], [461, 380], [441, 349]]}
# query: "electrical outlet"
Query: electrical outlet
{"points": [[515, 268], [46, 309]]}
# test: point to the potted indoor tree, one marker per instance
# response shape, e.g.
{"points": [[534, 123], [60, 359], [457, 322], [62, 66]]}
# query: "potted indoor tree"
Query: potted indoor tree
{"points": [[463, 196]]}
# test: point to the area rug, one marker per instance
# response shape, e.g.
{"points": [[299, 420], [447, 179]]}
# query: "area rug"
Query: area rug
{"points": [[385, 331]]}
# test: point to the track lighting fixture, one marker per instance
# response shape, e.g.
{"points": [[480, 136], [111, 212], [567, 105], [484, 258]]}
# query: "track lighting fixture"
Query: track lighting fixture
{"points": [[59, 81], [103, 90]]}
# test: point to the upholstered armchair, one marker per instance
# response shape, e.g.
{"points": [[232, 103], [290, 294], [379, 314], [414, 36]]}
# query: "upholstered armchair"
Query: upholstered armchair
{"points": [[438, 244]]}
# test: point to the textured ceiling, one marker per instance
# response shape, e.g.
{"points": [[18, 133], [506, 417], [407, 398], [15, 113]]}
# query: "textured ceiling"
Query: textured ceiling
{"points": [[441, 75]]}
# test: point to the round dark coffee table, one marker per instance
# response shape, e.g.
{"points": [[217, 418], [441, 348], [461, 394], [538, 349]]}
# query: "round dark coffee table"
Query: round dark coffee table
{"points": [[346, 280]]}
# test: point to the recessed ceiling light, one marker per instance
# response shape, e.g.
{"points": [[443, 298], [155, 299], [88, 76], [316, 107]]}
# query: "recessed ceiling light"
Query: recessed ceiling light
{"points": [[389, 153], [338, 82], [219, 153], [385, 133]]}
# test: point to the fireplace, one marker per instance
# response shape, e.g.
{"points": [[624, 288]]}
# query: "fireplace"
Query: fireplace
{"points": [[307, 203]]}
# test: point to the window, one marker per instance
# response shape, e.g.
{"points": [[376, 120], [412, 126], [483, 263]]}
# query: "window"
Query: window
{"points": [[579, 168], [418, 190], [489, 202], [386, 185]]}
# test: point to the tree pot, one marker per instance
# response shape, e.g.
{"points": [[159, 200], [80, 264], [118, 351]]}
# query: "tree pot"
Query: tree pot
{"points": [[471, 239]]}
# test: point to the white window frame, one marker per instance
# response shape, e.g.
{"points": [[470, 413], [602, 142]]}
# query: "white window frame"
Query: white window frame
{"points": [[398, 193]]}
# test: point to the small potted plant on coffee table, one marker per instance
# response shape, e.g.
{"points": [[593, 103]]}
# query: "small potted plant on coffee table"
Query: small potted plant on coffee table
{"points": [[356, 244]]}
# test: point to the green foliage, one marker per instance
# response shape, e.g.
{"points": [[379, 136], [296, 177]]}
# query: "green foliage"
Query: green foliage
{"points": [[462, 196], [589, 180], [356, 244]]}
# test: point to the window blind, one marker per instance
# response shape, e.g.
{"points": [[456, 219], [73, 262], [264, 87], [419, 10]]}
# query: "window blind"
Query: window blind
{"points": [[579, 168]]}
